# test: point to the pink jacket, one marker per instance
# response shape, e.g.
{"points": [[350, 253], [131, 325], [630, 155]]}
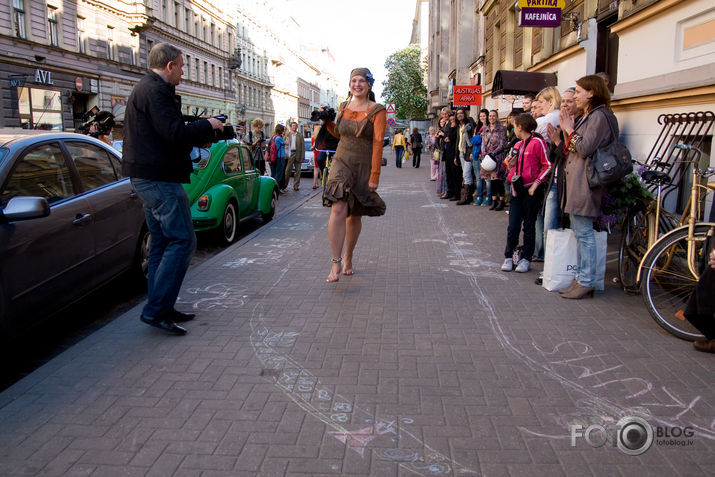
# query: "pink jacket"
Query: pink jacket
{"points": [[533, 165]]}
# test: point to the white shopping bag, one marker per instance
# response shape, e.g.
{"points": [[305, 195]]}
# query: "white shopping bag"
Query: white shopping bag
{"points": [[560, 259], [601, 246]]}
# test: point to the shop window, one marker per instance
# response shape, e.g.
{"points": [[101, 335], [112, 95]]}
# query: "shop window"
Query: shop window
{"points": [[39, 108], [18, 16], [52, 25], [42, 172]]}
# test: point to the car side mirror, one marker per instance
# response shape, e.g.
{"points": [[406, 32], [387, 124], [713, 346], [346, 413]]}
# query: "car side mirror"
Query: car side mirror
{"points": [[25, 208]]}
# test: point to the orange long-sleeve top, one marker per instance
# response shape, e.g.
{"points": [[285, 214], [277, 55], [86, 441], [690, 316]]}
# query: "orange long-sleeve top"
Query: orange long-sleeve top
{"points": [[378, 137]]}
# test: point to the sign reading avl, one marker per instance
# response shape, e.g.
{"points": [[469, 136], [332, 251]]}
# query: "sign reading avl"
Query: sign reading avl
{"points": [[540, 13], [467, 95]]}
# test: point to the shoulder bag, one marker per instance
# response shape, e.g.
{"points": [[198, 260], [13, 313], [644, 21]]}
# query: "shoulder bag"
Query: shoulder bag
{"points": [[610, 163]]}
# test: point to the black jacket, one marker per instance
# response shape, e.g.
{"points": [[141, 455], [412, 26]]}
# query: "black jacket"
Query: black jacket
{"points": [[157, 141]]}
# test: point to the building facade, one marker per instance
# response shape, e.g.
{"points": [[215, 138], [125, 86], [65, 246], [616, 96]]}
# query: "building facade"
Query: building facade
{"points": [[659, 55]]}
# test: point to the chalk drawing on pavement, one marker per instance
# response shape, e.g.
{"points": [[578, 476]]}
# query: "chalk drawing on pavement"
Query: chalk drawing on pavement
{"points": [[338, 412], [223, 296], [639, 396]]}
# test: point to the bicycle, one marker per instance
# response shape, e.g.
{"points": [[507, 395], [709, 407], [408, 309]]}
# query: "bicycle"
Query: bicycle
{"points": [[672, 266], [328, 156], [642, 227]]}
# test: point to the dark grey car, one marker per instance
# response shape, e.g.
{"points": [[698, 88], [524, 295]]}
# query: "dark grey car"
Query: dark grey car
{"points": [[69, 222]]}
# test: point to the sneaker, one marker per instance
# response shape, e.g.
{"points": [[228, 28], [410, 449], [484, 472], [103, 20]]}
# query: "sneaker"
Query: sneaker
{"points": [[540, 279], [523, 266], [508, 265], [478, 201], [487, 203]]}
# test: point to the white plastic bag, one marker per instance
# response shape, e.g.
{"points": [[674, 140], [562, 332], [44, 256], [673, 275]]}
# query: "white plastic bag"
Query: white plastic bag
{"points": [[601, 246], [560, 259]]}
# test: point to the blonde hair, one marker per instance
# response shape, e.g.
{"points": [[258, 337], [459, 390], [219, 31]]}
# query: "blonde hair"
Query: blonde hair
{"points": [[257, 123], [550, 95]]}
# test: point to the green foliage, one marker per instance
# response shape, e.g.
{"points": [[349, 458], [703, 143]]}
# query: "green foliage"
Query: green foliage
{"points": [[404, 85], [620, 197]]}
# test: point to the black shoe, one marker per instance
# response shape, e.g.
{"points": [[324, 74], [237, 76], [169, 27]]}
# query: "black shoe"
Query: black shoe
{"points": [[500, 205], [180, 317], [166, 325], [453, 198], [539, 280], [446, 197], [494, 205]]}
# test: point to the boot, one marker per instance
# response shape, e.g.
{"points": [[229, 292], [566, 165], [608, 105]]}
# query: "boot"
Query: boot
{"points": [[500, 204], [495, 203], [466, 196], [578, 292]]}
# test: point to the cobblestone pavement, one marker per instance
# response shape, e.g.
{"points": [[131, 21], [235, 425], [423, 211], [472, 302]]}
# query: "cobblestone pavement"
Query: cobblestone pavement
{"points": [[427, 361]]}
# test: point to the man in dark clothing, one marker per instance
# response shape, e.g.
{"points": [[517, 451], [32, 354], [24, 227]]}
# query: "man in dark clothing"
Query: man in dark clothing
{"points": [[157, 143]]}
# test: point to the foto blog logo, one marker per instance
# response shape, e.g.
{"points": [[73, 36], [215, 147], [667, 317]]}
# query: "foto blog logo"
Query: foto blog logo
{"points": [[631, 435]]}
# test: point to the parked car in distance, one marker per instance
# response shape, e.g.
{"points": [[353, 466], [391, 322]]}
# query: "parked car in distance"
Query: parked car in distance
{"points": [[69, 222], [226, 188], [308, 164], [386, 141]]}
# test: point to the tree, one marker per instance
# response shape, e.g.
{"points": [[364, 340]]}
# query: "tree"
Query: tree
{"points": [[404, 85]]}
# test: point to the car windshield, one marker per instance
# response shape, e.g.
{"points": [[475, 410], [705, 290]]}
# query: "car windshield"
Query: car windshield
{"points": [[200, 157]]}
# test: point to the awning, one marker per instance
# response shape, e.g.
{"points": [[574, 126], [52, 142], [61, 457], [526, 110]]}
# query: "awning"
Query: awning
{"points": [[521, 82]]}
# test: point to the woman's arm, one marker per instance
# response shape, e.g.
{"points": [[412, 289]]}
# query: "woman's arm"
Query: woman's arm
{"points": [[377, 141]]}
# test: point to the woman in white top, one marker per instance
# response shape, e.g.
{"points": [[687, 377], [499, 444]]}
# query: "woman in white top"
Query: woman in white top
{"points": [[548, 103]]}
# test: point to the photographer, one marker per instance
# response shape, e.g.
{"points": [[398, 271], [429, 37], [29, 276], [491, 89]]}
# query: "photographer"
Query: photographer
{"points": [[98, 124], [157, 143]]}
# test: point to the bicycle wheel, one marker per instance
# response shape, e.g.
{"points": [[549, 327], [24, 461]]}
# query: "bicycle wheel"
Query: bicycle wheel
{"points": [[634, 244], [666, 280]]}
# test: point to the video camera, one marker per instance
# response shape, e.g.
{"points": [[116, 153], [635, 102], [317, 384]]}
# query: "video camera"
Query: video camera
{"points": [[327, 114], [102, 120], [215, 135]]}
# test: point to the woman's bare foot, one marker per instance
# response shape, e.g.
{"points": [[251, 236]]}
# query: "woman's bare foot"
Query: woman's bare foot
{"points": [[348, 265], [334, 270]]}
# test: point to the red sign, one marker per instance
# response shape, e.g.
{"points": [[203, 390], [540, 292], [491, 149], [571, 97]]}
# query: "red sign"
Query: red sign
{"points": [[467, 95], [78, 83]]}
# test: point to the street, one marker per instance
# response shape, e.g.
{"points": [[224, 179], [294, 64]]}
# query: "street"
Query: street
{"points": [[428, 361]]}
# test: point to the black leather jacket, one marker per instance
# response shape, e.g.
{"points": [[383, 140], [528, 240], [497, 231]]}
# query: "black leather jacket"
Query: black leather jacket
{"points": [[157, 141]]}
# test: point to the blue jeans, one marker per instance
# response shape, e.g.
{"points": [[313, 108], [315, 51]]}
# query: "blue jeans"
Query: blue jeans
{"points": [[399, 152], [583, 230], [278, 171], [467, 167], [548, 221], [173, 241]]}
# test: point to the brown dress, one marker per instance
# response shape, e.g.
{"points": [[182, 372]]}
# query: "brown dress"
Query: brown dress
{"points": [[353, 165]]}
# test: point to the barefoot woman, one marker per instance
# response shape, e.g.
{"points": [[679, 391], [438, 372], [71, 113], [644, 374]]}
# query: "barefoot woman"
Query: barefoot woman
{"points": [[355, 170]]}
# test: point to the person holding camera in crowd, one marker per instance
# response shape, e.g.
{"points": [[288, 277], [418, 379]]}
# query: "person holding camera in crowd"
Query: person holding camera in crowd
{"points": [[157, 143], [528, 168], [257, 142], [98, 124], [355, 171]]}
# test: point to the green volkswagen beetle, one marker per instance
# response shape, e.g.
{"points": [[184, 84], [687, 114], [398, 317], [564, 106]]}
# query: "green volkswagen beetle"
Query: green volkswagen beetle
{"points": [[226, 188]]}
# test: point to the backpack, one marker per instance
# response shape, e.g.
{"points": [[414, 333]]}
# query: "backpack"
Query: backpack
{"points": [[273, 150]]}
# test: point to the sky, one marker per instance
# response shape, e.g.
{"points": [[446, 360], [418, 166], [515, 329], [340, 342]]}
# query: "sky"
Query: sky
{"points": [[358, 34]]}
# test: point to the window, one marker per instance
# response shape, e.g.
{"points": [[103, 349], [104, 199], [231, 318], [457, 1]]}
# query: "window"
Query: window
{"points": [[220, 77], [42, 172], [213, 75], [18, 16], [196, 26], [196, 76], [110, 42], [52, 25], [231, 161], [246, 156], [93, 164], [132, 56], [220, 39], [39, 108], [187, 20], [204, 29], [188, 67], [81, 37], [163, 10], [177, 13], [206, 72], [213, 33]]}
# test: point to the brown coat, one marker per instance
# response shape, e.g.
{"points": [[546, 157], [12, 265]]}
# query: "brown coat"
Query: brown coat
{"points": [[595, 132]]}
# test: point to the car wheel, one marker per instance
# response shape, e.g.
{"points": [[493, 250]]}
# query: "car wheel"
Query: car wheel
{"points": [[229, 224], [141, 256], [274, 200]]}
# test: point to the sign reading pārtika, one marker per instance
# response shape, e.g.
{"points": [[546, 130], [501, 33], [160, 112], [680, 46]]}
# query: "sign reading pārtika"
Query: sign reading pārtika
{"points": [[542, 3]]}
